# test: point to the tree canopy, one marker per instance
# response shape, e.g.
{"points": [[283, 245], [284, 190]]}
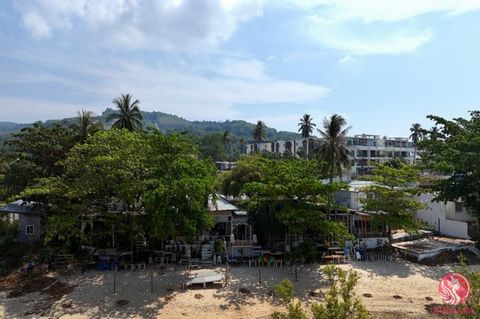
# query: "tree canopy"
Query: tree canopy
{"points": [[284, 195], [33, 153], [154, 176], [128, 114], [454, 151], [333, 150], [259, 131], [392, 196]]}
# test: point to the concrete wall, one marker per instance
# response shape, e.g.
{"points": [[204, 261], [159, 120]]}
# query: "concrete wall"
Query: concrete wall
{"points": [[349, 199], [29, 219], [442, 217], [436, 215], [261, 147]]}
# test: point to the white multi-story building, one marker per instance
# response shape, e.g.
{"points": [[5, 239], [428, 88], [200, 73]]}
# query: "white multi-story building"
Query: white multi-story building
{"points": [[368, 149], [364, 150], [282, 147]]}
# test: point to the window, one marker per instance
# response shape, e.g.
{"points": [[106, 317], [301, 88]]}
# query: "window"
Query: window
{"points": [[30, 230]]}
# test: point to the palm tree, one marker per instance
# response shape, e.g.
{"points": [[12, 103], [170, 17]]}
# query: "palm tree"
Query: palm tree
{"points": [[434, 133], [416, 136], [226, 141], [128, 115], [333, 149], [306, 126], [226, 137], [85, 125], [259, 131]]}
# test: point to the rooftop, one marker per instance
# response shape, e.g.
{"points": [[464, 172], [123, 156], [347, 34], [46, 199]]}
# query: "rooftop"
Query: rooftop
{"points": [[23, 207], [221, 204]]}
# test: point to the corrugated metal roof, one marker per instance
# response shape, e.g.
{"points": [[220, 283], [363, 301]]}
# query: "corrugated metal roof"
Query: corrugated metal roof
{"points": [[221, 204], [22, 207]]}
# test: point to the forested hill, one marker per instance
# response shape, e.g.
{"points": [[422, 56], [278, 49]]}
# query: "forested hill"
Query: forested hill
{"points": [[172, 123]]}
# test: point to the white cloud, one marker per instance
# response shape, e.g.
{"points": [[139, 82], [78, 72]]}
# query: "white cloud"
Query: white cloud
{"points": [[385, 10], [240, 68], [167, 24], [347, 60], [374, 26], [370, 40], [195, 96], [191, 90], [26, 110], [36, 24]]}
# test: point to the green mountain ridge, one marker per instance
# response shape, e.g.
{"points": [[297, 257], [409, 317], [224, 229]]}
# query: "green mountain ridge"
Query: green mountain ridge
{"points": [[168, 123]]}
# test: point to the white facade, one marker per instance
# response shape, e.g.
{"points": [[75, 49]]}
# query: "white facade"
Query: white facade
{"points": [[368, 149], [261, 147], [282, 147], [450, 219], [364, 150]]}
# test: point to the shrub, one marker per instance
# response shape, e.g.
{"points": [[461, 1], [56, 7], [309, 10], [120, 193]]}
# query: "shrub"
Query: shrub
{"points": [[473, 277], [285, 290], [306, 250], [340, 301]]}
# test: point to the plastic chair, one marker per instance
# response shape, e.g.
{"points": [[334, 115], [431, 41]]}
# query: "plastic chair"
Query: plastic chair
{"points": [[358, 256]]}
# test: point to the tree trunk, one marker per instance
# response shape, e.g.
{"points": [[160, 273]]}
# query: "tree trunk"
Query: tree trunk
{"points": [[307, 148]]}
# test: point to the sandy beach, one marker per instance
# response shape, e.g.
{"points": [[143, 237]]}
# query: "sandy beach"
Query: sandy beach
{"points": [[387, 289]]}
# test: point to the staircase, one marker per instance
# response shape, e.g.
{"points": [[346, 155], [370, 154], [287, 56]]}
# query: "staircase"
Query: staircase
{"points": [[141, 241], [207, 254]]}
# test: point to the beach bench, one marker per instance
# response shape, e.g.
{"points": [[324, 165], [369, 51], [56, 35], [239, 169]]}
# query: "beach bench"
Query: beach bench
{"points": [[205, 278]]}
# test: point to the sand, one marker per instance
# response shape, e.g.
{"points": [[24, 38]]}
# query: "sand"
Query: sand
{"points": [[93, 295]]}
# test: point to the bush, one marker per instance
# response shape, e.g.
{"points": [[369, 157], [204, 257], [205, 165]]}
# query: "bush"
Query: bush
{"points": [[305, 251], [285, 290], [473, 277], [340, 301]]}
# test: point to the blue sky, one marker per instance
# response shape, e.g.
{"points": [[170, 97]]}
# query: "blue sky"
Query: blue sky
{"points": [[383, 64]]}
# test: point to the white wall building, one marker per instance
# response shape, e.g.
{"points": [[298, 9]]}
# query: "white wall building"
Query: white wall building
{"points": [[282, 147], [364, 150], [449, 219], [367, 149]]}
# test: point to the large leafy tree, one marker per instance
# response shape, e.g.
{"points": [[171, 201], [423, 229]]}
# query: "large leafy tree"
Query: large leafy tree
{"points": [[248, 170], [392, 196], [285, 196], [158, 180], [259, 131], [176, 202], [33, 153], [213, 146], [454, 153], [128, 113], [85, 125], [306, 127], [333, 149], [417, 134]]}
